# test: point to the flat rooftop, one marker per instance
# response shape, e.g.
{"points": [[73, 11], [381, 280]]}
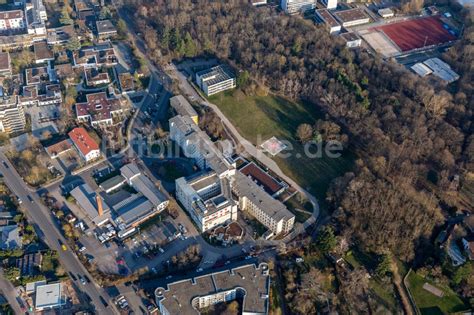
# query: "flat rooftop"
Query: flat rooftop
{"points": [[251, 281], [182, 106], [350, 36], [4, 61], [105, 27], [327, 17], [42, 51], [215, 75], [48, 296], [350, 15]]}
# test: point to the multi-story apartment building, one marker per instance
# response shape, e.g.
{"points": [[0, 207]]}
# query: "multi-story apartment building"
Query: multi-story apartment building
{"points": [[98, 109], [12, 115], [197, 145], [207, 198], [267, 210], [249, 283], [87, 147], [182, 107], [216, 79], [297, 6], [12, 20]]}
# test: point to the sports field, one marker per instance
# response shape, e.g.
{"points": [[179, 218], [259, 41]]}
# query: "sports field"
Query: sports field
{"points": [[417, 33]]}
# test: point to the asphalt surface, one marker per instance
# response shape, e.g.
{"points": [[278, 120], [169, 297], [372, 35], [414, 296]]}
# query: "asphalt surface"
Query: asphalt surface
{"points": [[47, 230], [9, 292]]}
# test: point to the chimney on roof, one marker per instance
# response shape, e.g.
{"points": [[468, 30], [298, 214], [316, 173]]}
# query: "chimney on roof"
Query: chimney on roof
{"points": [[100, 208]]}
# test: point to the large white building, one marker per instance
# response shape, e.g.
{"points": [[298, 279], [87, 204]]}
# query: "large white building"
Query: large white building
{"points": [[297, 6], [197, 145], [216, 79], [49, 296], [12, 115], [207, 198], [330, 4], [250, 283], [12, 20], [267, 210]]}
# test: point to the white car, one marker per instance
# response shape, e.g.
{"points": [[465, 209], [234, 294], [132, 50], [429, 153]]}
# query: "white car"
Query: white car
{"points": [[199, 270]]}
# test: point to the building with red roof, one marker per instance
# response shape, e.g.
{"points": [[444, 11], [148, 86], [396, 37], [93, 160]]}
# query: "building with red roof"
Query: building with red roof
{"points": [[263, 179], [87, 147]]}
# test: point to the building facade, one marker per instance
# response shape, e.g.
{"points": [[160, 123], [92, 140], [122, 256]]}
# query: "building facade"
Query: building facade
{"points": [[12, 115], [216, 79], [86, 146], [207, 200], [297, 6]]}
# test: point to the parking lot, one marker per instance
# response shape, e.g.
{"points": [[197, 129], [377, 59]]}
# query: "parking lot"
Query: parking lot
{"points": [[42, 119]]}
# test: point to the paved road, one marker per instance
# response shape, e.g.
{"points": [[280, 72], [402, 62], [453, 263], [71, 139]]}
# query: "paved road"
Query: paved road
{"points": [[47, 230], [10, 293]]}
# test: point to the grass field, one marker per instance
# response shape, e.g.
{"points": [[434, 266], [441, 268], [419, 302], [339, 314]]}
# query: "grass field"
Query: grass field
{"points": [[428, 303], [260, 117]]}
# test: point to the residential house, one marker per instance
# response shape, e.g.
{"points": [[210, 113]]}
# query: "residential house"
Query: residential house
{"points": [[5, 64], [87, 147], [10, 237], [99, 110]]}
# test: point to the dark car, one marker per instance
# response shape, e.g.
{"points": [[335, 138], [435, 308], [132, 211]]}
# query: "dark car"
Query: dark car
{"points": [[5, 164], [104, 302], [73, 276]]}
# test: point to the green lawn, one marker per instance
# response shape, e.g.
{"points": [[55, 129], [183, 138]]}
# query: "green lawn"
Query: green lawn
{"points": [[428, 303], [300, 216], [260, 117]]}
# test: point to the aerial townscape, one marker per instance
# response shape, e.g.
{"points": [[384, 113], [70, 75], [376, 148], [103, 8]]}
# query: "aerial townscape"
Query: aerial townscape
{"points": [[255, 157]]}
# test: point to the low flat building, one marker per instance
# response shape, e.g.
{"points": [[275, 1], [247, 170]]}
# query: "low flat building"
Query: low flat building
{"points": [[43, 53], [105, 29], [112, 184], [37, 75], [249, 283], [386, 13], [207, 198], [216, 79], [270, 212], [329, 21], [441, 69], [99, 110], [5, 64], [86, 146], [92, 203], [352, 17], [59, 148], [49, 296], [95, 57], [60, 35], [421, 69], [41, 95], [96, 77], [182, 107], [352, 39], [126, 81], [148, 201]]}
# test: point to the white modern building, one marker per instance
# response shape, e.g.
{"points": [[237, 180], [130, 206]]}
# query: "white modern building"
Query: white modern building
{"points": [[270, 212], [207, 198], [216, 79], [197, 145], [12, 115], [49, 296], [297, 6]]}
